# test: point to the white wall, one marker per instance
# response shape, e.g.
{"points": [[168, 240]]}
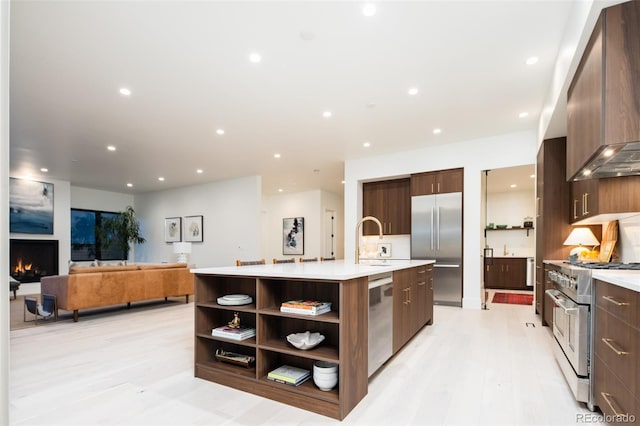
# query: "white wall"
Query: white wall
{"points": [[4, 211], [333, 203], [629, 239], [309, 204], [232, 221], [510, 208], [474, 156]]}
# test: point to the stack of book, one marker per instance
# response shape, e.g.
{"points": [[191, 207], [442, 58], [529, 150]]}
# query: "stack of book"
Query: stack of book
{"points": [[305, 307], [289, 375], [233, 333]]}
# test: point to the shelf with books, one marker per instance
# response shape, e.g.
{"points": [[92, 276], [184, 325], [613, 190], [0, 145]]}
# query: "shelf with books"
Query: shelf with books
{"points": [[275, 292], [326, 317], [208, 318]]}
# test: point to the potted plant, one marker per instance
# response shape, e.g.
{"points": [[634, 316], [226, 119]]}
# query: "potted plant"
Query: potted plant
{"points": [[122, 230]]}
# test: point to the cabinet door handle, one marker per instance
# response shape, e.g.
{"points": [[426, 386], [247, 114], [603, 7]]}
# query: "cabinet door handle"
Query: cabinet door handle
{"points": [[606, 398], [585, 204], [537, 206], [438, 187], [575, 209], [406, 296], [422, 283], [389, 228], [614, 301], [613, 348], [507, 268], [432, 189]]}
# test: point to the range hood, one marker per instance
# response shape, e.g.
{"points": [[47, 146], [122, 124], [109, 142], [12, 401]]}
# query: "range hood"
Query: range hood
{"points": [[612, 161]]}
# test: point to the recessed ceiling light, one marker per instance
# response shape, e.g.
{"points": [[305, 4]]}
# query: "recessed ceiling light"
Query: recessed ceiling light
{"points": [[369, 9], [586, 172], [255, 58], [125, 92], [342, 182], [608, 153], [327, 114], [129, 185], [161, 179], [111, 148], [276, 155], [199, 171], [532, 176], [280, 189], [413, 91], [523, 114], [366, 144], [316, 170], [513, 185], [437, 131], [532, 60], [220, 131], [44, 170]]}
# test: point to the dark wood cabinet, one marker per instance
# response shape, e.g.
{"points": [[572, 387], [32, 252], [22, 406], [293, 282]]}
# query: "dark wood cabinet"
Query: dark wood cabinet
{"points": [[412, 303], [506, 273], [602, 101], [616, 346], [552, 201], [595, 197], [437, 182], [390, 202]]}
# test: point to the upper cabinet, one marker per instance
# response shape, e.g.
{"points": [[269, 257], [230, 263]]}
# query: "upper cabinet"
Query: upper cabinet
{"points": [[438, 182], [390, 202], [601, 200], [603, 101]]}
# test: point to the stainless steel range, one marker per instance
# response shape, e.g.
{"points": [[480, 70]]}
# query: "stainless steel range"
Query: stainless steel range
{"points": [[573, 321]]}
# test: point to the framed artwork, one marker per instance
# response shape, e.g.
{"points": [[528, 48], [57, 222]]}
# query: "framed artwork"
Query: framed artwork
{"points": [[30, 206], [293, 235], [384, 250], [172, 229], [193, 231]]}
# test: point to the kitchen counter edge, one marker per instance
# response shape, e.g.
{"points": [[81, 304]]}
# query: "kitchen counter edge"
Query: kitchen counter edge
{"points": [[337, 270]]}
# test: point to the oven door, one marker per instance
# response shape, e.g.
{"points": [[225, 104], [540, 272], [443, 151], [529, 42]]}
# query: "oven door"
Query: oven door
{"points": [[571, 330]]}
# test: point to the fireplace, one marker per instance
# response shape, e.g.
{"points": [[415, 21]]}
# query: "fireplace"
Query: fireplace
{"points": [[33, 259]]}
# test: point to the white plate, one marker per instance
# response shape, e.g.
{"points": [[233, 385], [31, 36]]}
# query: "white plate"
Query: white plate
{"points": [[230, 297], [223, 301]]}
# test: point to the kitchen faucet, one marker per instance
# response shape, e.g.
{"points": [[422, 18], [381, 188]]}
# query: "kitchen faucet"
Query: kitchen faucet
{"points": [[505, 252], [371, 218]]}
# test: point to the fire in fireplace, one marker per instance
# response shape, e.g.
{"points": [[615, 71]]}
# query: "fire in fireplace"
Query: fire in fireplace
{"points": [[32, 259]]}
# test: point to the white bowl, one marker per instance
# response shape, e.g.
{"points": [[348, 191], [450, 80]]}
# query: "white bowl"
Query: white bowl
{"points": [[325, 367], [325, 382], [305, 340]]}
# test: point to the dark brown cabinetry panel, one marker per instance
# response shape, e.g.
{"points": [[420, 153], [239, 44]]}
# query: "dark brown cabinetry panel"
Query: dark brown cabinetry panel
{"points": [[616, 346], [506, 273], [412, 303], [438, 182], [602, 102], [390, 202], [604, 196]]}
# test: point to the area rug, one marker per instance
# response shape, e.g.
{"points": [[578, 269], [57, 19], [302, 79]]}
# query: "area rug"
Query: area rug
{"points": [[513, 298]]}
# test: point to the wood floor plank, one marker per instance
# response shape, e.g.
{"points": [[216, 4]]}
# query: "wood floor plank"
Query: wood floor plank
{"points": [[136, 368]]}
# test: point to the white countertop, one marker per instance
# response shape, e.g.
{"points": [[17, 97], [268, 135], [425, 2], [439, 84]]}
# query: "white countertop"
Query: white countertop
{"points": [[335, 270], [622, 278]]}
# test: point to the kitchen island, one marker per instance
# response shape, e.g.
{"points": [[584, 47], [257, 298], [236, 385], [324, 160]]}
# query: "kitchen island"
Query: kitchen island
{"points": [[345, 327]]}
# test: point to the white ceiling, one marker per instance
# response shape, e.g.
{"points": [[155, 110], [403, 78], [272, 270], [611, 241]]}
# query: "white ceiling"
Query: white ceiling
{"points": [[187, 66]]}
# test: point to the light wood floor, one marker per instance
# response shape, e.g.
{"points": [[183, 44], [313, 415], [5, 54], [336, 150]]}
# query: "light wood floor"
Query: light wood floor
{"points": [[472, 367]]}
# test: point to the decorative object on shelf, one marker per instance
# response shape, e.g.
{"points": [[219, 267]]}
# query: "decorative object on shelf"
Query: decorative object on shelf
{"points": [[293, 235], [239, 333], [306, 340], [235, 323], [580, 237], [172, 229], [235, 358], [490, 225], [193, 231], [528, 222], [384, 250], [289, 375], [516, 227], [235, 299], [30, 206], [182, 251], [501, 226], [305, 307], [325, 375]]}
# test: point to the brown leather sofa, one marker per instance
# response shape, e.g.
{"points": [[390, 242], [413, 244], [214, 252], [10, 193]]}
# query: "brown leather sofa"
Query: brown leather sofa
{"points": [[91, 287]]}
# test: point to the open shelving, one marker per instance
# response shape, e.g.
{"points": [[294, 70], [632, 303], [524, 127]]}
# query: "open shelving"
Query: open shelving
{"points": [[344, 328]]}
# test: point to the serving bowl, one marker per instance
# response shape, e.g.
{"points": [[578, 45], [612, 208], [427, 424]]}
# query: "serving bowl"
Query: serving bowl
{"points": [[306, 340]]}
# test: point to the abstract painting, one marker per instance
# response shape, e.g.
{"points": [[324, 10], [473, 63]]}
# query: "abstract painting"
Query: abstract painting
{"points": [[293, 235], [30, 206]]}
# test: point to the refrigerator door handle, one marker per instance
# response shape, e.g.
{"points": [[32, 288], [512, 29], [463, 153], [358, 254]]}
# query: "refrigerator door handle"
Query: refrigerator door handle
{"points": [[445, 266], [438, 230], [432, 229]]}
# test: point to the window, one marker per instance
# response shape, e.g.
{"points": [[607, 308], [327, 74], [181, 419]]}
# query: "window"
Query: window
{"points": [[87, 236]]}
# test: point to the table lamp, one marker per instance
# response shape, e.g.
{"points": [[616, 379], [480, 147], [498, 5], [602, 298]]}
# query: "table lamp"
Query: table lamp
{"points": [[581, 237], [182, 251]]}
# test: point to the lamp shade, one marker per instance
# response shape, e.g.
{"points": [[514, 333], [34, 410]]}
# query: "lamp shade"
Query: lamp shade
{"points": [[581, 237], [182, 248]]}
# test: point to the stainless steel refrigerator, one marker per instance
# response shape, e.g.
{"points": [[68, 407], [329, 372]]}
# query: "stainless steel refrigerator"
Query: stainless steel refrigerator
{"points": [[436, 233]]}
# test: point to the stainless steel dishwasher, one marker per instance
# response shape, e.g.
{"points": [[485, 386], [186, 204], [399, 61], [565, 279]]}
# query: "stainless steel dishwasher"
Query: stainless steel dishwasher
{"points": [[380, 320]]}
